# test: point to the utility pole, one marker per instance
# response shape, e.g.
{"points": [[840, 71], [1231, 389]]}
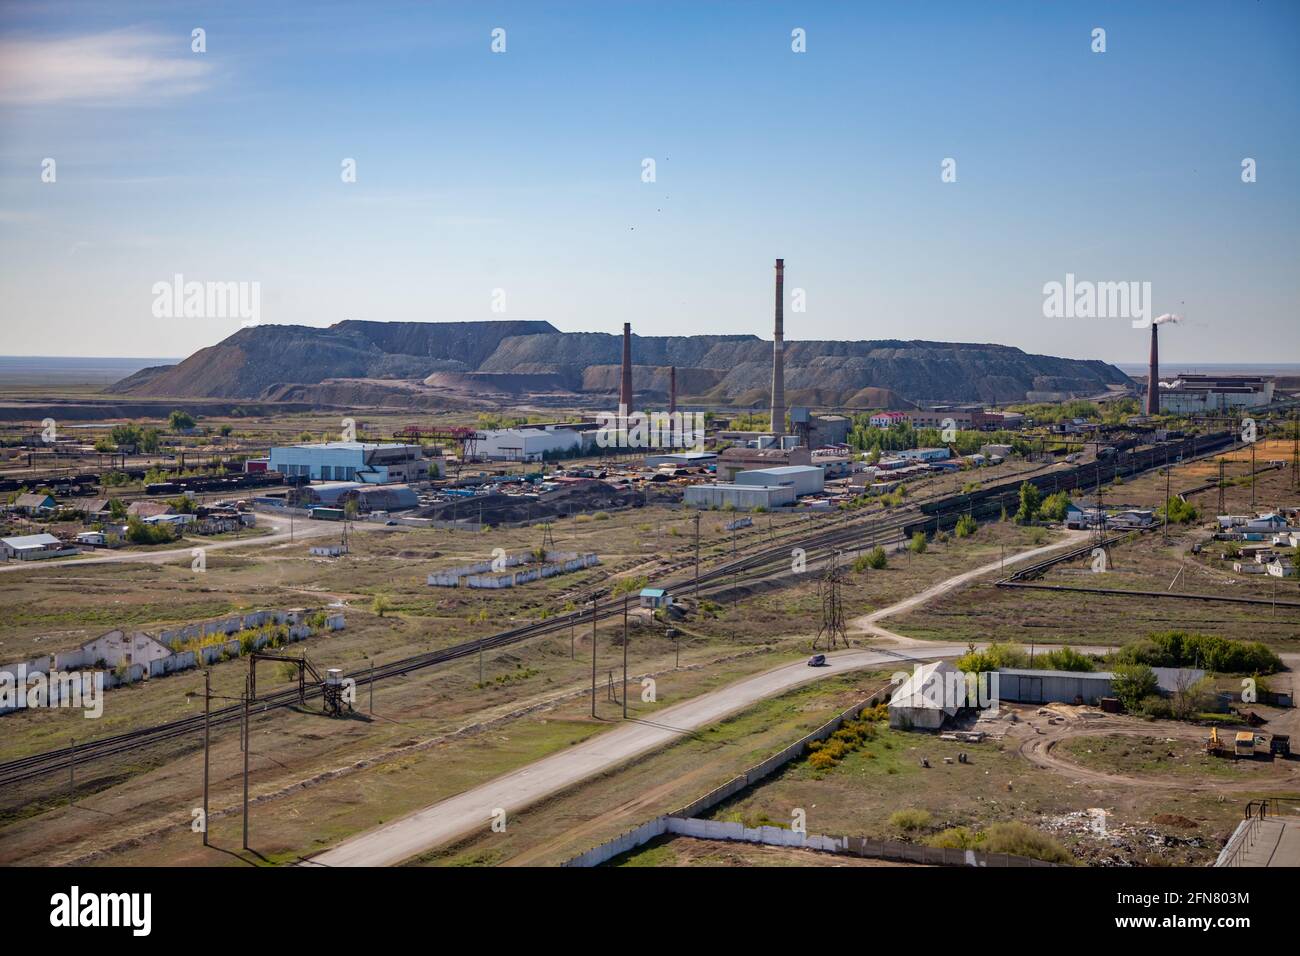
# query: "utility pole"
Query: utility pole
{"points": [[625, 598], [372, 685], [72, 770], [1221, 489], [246, 742], [207, 740], [695, 593], [1166, 528], [1252, 477], [593, 657]]}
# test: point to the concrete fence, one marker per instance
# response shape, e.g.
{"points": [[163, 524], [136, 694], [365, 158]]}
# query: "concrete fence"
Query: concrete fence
{"points": [[485, 575], [685, 822]]}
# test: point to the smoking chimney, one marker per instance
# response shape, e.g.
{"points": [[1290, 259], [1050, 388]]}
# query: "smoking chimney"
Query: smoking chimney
{"points": [[778, 356], [672, 389], [1153, 374], [625, 388]]}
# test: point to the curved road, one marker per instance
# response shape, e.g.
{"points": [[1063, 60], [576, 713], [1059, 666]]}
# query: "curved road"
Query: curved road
{"points": [[456, 816]]}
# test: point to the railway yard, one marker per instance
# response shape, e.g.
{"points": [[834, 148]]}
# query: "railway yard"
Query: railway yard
{"points": [[467, 702]]}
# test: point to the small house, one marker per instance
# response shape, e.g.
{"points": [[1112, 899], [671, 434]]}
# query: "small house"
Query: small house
{"points": [[34, 503], [655, 598]]}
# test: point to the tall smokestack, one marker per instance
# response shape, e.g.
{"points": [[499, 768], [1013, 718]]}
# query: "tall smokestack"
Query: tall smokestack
{"points": [[778, 355], [625, 388], [1153, 374], [672, 389]]}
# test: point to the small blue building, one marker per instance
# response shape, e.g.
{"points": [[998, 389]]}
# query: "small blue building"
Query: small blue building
{"points": [[655, 598]]}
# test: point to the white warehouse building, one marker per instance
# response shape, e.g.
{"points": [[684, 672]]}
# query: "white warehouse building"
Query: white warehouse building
{"points": [[743, 497], [525, 444], [804, 479]]}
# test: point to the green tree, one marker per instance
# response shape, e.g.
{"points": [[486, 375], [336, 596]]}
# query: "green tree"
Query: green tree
{"points": [[966, 526], [918, 543], [1031, 500], [1132, 684], [1054, 506], [179, 421]]}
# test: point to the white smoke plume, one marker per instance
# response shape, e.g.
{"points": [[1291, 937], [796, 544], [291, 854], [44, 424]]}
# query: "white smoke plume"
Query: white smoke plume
{"points": [[1167, 317]]}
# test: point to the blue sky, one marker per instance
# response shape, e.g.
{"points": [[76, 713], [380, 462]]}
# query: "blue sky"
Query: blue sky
{"points": [[521, 171]]}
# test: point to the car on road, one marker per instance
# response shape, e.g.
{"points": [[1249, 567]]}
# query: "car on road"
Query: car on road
{"points": [[817, 660]]}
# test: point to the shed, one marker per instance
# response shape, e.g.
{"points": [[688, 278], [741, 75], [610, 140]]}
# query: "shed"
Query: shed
{"points": [[1047, 686], [922, 701], [655, 598]]}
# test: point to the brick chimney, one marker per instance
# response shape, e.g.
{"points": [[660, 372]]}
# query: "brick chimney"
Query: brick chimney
{"points": [[778, 355]]}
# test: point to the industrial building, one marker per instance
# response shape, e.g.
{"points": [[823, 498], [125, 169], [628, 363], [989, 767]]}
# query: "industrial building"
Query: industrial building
{"points": [[334, 494], [528, 444], [743, 497], [1066, 687], [804, 479], [924, 454], [737, 459], [682, 459], [819, 431], [1192, 394], [365, 462], [887, 419]]}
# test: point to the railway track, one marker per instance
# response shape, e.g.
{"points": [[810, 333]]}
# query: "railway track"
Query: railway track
{"points": [[55, 761], [873, 529]]}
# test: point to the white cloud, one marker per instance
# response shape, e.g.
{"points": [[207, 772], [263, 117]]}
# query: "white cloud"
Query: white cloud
{"points": [[122, 67]]}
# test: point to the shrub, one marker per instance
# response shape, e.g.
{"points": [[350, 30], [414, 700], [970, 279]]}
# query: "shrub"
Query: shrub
{"points": [[137, 532], [1020, 840], [875, 559], [954, 838], [966, 526], [1132, 684], [1208, 651], [994, 656], [1064, 659], [381, 604], [909, 820], [1155, 707], [1179, 511], [918, 543]]}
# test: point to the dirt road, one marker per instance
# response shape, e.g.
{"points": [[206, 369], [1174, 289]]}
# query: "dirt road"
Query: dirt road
{"points": [[301, 530]]}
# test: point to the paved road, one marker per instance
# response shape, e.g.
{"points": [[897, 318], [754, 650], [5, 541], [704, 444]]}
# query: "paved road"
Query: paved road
{"points": [[474, 809]]}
